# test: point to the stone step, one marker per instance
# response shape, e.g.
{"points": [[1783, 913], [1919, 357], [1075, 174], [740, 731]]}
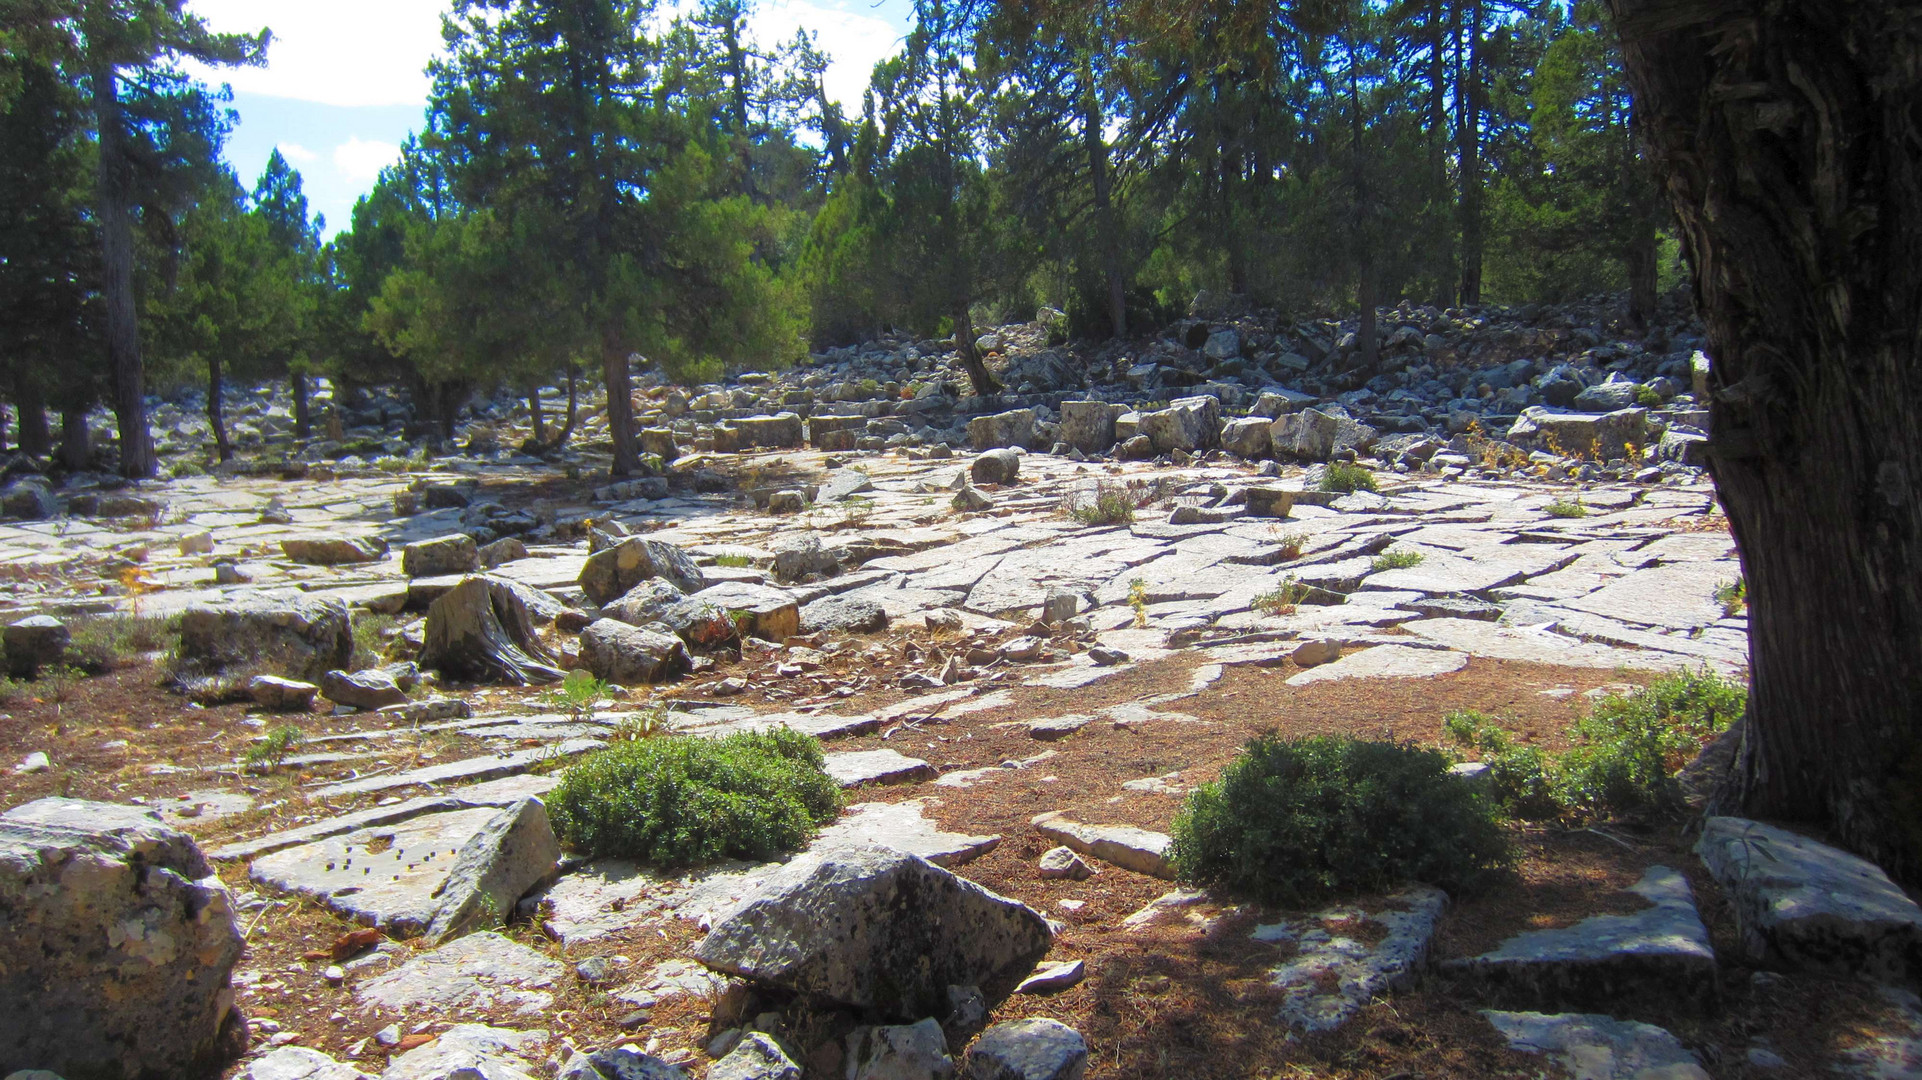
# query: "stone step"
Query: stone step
{"points": [[466, 770], [855, 768], [495, 793], [1804, 904], [1139, 850], [1594, 1047], [1661, 953]]}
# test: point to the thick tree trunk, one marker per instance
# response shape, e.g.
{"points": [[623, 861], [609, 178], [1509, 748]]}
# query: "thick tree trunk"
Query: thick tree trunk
{"points": [[573, 406], [1643, 258], [1368, 333], [620, 407], [303, 408], [1474, 97], [36, 440], [1786, 133], [3, 428], [215, 418], [978, 374], [116, 252], [534, 407], [1097, 143], [76, 445], [1438, 151]]}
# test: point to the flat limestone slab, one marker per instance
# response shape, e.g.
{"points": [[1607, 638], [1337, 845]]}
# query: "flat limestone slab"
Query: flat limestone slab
{"points": [[1679, 596], [479, 972], [465, 770], [495, 793], [1810, 905], [1125, 846], [606, 895], [1661, 952], [1594, 1047], [1384, 662], [854, 768], [1333, 974], [1531, 647], [386, 876]]}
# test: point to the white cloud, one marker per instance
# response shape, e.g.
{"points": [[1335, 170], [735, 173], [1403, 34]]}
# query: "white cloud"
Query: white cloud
{"points": [[363, 160], [332, 52], [854, 41], [297, 153]]}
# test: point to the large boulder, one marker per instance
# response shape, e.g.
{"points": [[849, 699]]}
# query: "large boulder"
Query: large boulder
{"points": [[645, 603], [1190, 424], [1607, 397], [630, 655], [782, 431], [609, 574], [117, 949], [875, 929], [802, 558], [1013, 428], [481, 631], [34, 642], [847, 614], [1314, 435], [451, 554], [1247, 437], [364, 690], [1034, 1049], [301, 637], [761, 611], [512, 853], [996, 467], [28, 499], [1088, 426], [1602, 436], [334, 550]]}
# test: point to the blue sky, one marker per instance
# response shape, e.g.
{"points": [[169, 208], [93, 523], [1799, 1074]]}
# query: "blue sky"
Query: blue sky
{"points": [[344, 83]]}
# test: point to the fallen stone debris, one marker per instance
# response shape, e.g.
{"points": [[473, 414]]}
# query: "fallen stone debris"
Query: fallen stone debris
{"points": [[290, 725]]}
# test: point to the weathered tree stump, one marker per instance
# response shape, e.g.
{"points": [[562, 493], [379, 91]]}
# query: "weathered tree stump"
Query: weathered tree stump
{"points": [[480, 631]]}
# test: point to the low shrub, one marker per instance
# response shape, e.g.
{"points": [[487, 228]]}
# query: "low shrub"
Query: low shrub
{"points": [[371, 634], [578, 693], [1347, 477], [1110, 504], [102, 643], [1567, 508], [1395, 559], [1733, 597], [1292, 821], [1625, 754], [1281, 600], [733, 561], [677, 801], [273, 748]]}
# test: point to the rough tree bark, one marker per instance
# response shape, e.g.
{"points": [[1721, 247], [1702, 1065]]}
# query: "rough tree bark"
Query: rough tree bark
{"points": [[303, 407], [1474, 104], [620, 407], [216, 418], [76, 444], [1092, 123], [36, 440], [1789, 137], [979, 376], [116, 251]]}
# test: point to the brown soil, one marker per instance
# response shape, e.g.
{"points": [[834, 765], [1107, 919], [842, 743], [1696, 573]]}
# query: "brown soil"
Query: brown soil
{"points": [[1186, 997]]}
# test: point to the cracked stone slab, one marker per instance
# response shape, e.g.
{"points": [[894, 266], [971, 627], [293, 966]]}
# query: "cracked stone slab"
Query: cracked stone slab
{"points": [[1809, 905], [495, 793], [855, 768], [1532, 647], [480, 972], [1594, 1047], [1332, 974], [1660, 952], [466, 770], [606, 895], [1139, 850], [388, 876], [1385, 662]]}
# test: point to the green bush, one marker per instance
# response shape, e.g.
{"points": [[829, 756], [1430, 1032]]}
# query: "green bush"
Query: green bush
{"points": [[100, 644], [1347, 477], [1292, 821], [677, 801], [1567, 508], [1110, 505], [1395, 559], [1625, 756]]}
